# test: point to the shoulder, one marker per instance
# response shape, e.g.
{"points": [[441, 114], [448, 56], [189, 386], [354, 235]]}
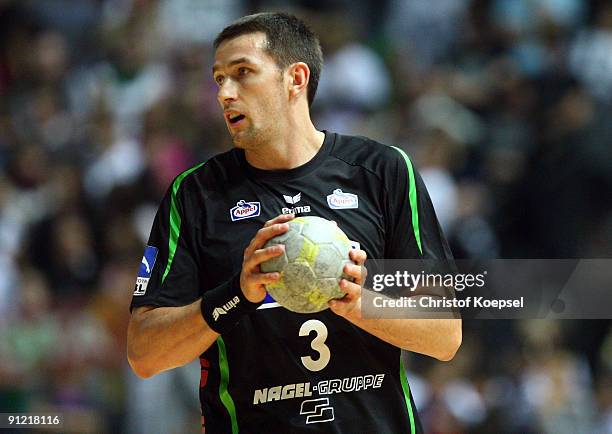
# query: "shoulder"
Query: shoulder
{"points": [[207, 176], [373, 156]]}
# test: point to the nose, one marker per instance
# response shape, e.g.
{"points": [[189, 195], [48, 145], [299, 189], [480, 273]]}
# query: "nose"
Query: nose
{"points": [[227, 91]]}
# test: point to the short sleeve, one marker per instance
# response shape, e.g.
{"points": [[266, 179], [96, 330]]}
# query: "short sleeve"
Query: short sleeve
{"points": [[169, 273], [412, 225]]}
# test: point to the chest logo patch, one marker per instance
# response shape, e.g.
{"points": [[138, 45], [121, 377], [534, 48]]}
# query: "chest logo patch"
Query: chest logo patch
{"points": [[341, 200], [244, 210], [293, 199], [295, 209]]}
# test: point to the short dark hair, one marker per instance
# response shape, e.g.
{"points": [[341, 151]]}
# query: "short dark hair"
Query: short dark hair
{"points": [[289, 40]]}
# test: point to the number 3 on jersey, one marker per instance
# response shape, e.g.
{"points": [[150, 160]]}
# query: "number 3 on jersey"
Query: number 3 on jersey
{"points": [[317, 344]]}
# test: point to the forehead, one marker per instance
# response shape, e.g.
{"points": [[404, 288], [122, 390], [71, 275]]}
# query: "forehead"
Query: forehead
{"points": [[250, 46]]}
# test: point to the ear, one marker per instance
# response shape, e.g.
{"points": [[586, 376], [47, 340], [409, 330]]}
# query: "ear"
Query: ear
{"points": [[299, 75]]}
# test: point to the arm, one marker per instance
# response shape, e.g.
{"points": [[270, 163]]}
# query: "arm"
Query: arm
{"points": [[439, 338], [412, 231], [162, 338]]}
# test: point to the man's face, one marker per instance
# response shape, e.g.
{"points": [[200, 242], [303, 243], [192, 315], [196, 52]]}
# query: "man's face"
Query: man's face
{"points": [[251, 91]]}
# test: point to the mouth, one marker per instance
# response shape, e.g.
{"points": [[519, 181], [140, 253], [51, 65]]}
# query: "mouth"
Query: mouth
{"points": [[234, 118]]}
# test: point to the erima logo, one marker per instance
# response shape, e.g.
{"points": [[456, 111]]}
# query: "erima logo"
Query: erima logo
{"points": [[218, 311], [144, 272], [296, 210], [244, 210], [293, 199], [341, 200]]}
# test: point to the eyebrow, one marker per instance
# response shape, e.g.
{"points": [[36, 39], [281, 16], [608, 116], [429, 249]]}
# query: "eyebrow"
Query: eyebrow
{"points": [[233, 62]]}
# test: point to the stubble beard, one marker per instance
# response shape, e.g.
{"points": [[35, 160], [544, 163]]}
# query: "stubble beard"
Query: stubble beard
{"points": [[248, 138], [255, 137]]}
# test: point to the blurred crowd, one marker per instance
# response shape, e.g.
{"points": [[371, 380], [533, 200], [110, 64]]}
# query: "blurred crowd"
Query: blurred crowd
{"points": [[504, 105]]}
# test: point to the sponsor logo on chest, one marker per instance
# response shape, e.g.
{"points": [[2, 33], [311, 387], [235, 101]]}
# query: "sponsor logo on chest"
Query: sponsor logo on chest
{"points": [[244, 210], [323, 387], [341, 200], [295, 209]]}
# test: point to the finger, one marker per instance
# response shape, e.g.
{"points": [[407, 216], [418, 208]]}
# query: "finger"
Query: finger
{"points": [[358, 273], [348, 306], [262, 278], [263, 235], [339, 307], [352, 270], [342, 306], [352, 290], [262, 255], [358, 256], [282, 218]]}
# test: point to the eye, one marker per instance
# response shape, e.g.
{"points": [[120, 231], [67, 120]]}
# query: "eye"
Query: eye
{"points": [[219, 79], [243, 70]]}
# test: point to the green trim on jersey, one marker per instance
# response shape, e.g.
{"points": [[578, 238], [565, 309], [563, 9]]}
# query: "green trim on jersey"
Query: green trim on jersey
{"points": [[412, 195], [175, 220], [406, 390], [224, 394]]}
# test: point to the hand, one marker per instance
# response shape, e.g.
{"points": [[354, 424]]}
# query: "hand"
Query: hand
{"points": [[349, 306], [252, 280]]}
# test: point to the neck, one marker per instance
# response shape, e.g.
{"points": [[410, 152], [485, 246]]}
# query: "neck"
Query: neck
{"points": [[293, 145]]}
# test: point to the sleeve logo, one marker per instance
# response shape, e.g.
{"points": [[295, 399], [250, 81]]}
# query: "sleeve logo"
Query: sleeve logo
{"points": [[341, 200], [146, 268], [222, 310]]}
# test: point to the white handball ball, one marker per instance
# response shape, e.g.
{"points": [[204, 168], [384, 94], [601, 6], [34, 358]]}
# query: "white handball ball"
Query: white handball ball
{"points": [[316, 251]]}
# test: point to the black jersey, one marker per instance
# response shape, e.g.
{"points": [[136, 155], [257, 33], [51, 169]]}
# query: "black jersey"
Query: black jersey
{"points": [[279, 371]]}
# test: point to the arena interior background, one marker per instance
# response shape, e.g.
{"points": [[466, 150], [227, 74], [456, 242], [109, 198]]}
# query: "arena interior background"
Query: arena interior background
{"points": [[504, 105]]}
